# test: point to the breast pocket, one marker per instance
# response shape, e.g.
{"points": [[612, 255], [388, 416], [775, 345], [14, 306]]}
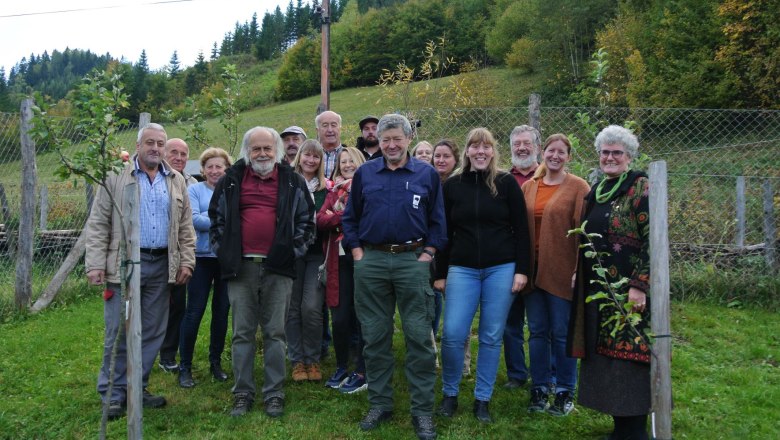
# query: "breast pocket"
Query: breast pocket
{"points": [[417, 195]]}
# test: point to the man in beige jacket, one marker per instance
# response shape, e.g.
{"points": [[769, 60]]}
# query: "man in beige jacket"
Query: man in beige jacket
{"points": [[167, 241]]}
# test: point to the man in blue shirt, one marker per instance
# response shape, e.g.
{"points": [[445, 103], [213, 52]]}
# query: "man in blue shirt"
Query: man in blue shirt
{"points": [[393, 224]]}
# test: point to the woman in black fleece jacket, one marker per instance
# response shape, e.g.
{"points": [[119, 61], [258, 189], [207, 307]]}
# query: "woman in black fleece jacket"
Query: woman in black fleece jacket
{"points": [[485, 265]]}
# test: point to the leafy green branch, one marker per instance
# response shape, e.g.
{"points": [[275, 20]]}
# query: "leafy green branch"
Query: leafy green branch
{"points": [[617, 308]]}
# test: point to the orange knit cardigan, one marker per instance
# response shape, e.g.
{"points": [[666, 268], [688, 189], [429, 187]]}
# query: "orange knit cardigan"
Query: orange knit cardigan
{"points": [[557, 258]]}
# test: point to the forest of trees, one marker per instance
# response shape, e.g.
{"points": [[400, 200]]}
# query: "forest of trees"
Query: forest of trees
{"points": [[654, 53]]}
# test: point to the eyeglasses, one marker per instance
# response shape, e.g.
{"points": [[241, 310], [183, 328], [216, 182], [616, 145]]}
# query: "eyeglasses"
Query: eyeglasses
{"points": [[617, 154]]}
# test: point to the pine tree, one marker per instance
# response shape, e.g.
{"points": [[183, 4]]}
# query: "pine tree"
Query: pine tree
{"points": [[214, 52], [174, 65]]}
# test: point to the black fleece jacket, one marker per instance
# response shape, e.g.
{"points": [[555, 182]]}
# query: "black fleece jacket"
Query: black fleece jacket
{"points": [[484, 230]]}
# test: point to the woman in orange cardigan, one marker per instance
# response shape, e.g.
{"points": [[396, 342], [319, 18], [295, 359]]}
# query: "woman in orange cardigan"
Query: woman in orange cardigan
{"points": [[554, 201]]}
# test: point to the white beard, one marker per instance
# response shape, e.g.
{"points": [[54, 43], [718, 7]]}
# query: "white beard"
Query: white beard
{"points": [[263, 168], [522, 164]]}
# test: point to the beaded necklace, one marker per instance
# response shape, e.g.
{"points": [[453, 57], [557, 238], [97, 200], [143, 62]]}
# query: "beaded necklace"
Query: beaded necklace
{"points": [[601, 197]]}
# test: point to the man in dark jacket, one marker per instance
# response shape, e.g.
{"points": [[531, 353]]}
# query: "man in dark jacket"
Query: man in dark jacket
{"points": [[262, 219], [368, 143]]}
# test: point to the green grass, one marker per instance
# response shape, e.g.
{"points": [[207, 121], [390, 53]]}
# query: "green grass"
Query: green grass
{"points": [[725, 385]]}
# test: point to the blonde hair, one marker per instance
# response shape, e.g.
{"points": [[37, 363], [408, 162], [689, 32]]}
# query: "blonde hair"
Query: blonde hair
{"points": [[311, 146], [475, 136], [211, 153], [423, 144], [354, 154], [541, 170]]}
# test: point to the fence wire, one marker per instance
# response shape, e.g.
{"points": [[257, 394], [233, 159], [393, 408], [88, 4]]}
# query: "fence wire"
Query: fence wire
{"points": [[705, 150]]}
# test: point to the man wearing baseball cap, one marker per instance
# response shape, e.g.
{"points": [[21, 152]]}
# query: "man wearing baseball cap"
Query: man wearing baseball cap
{"points": [[292, 137], [368, 143]]}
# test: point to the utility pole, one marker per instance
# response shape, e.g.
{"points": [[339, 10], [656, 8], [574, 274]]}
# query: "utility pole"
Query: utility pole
{"points": [[324, 12]]}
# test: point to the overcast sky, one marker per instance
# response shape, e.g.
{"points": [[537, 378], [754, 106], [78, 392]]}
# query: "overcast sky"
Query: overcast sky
{"points": [[122, 27]]}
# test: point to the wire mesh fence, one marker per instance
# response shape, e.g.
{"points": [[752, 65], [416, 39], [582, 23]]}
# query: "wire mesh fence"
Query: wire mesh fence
{"points": [[706, 152]]}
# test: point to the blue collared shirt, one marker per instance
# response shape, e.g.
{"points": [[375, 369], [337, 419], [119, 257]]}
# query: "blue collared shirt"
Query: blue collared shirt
{"points": [[155, 207], [395, 206]]}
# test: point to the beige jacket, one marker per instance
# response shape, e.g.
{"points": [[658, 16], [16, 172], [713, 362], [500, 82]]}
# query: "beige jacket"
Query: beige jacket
{"points": [[104, 227]]}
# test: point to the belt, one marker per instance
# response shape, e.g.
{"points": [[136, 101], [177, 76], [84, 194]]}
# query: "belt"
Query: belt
{"points": [[154, 251], [255, 259], [395, 248]]}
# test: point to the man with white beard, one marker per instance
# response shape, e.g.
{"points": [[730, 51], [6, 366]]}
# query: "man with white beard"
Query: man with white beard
{"points": [[525, 142], [262, 219]]}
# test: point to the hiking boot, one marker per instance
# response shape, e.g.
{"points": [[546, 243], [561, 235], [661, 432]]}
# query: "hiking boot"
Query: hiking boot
{"points": [[424, 427], [313, 372], [481, 411], [152, 401], [374, 417], [448, 406], [241, 405], [355, 383], [299, 372], [217, 372], [274, 406], [116, 409], [538, 401], [563, 404], [338, 377], [185, 378]]}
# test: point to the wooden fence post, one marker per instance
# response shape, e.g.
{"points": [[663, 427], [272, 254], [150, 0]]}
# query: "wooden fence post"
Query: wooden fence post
{"points": [[740, 239], [24, 257], [44, 207], [660, 366], [534, 112], [89, 193], [769, 226]]}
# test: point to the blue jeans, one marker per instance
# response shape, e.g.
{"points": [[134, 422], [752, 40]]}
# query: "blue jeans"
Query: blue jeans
{"points": [[514, 356], [548, 322], [206, 275], [490, 289]]}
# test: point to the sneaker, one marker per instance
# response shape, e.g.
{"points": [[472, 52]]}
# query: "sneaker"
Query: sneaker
{"points": [[539, 401], [355, 383], [169, 366], [241, 405], [217, 372], [338, 377], [152, 401], [299, 372], [116, 409], [563, 404], [274, 406], [513, 384], [313, 372]]}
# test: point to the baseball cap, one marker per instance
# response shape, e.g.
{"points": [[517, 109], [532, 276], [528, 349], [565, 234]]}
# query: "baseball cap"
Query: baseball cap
{"points": [[293, 130], [369, 118]]}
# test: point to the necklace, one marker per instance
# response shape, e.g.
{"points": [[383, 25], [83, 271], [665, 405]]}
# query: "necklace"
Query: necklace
{"points": [[601, 197]]}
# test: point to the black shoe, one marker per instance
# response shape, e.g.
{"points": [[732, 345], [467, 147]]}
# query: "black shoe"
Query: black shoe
{"points": [[513, 384], [423, 427], [562, 405], [218, 373], [481, 411], [539, 401], [116, 409], [169, 365], [152, 401], [242, 404], [374, 418], [185, 378], [448, 406], [274, 407]]}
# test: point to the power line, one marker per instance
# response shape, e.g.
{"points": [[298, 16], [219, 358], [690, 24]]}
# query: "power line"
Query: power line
{"points": [[97, 8]]}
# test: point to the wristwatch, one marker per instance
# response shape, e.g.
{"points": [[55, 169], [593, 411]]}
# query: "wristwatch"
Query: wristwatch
{"points": [[426, 251]]}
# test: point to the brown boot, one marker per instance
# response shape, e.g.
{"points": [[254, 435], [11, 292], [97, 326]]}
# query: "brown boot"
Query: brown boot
{"points": [[313, 372], [299, 372]]}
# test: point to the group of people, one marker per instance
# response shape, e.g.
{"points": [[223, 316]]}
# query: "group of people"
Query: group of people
{"points": [[298, 229]]}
